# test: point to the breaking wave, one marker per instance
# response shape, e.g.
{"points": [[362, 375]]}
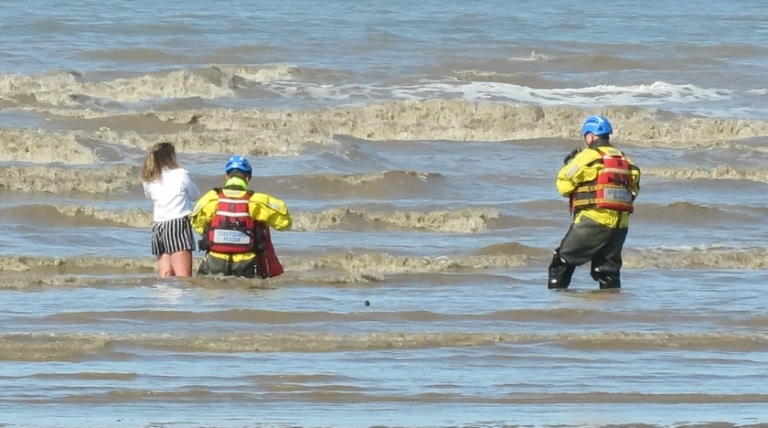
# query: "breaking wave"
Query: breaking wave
{"points": [[721, 172], [286, 132], [468, 220], [697, 258], [368, 185], [72, 89], [377, 266], [462, 120], [78, 215], [513, 249], [373, 264], [692, 213], [40, 147], [115, 179]]}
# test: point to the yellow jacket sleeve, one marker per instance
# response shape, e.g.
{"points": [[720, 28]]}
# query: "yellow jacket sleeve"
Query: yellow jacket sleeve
{"points": [[635, 171], [270, 210], [204, 210], [577, 171]]}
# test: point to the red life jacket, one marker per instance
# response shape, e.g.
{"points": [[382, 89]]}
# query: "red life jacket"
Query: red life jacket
{"points": [[611, 188], [233, 231]]}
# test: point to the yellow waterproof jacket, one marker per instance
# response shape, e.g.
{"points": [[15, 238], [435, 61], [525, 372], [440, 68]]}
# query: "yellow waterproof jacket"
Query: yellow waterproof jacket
{"points": [[584, 168], [262, 207]]}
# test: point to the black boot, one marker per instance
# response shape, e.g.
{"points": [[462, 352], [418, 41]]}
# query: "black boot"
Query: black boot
{"points": [[607, 280], [560, 273]]}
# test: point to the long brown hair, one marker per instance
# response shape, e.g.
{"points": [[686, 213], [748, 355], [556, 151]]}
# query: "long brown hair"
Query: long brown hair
{"points": [[162, 156]]}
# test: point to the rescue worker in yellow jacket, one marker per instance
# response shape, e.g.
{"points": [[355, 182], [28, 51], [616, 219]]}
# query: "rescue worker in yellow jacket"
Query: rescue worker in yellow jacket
{"points": [[601, 184], [234, 224]]}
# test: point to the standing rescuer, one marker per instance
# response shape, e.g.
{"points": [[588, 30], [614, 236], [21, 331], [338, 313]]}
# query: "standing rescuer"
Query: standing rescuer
{"points": [[601, 184], [234, 224]]}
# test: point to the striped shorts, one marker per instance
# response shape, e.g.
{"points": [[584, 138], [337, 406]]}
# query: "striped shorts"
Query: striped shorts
{"points": [[172, 236]]}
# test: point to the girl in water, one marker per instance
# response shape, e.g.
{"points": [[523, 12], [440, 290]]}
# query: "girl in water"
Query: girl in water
{"points": [[173, 194]]}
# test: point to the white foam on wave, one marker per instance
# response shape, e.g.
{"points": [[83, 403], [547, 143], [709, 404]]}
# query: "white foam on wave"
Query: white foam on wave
{"points": [[231, 82], [639, 95], [644, 95], [531, 58], [212, 82], [265, 73], [67, 89]]}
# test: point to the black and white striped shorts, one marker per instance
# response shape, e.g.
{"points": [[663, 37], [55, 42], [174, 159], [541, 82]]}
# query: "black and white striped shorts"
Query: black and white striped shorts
{"points": [[172, 236]]}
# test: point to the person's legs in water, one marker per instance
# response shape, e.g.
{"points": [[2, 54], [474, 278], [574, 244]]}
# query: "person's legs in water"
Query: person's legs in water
{"points": [[245, 269], [159, 250], [164, 266], [560, 272], [218, 266], [607, 280], [214, 266], [204, 269], [173, 242], [583, 240], [606, 264], [181, 262]]}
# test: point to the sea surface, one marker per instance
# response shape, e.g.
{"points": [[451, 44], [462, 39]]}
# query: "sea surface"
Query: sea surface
{"points": [[416, 145]]}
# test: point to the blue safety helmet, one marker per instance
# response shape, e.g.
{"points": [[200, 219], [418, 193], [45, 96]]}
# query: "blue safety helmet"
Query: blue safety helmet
{"points": [[597, 125], [239, 163]]}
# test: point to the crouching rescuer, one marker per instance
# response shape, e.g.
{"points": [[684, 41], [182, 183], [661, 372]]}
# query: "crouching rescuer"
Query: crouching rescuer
{"points": [[601, 184], [234, 223]]}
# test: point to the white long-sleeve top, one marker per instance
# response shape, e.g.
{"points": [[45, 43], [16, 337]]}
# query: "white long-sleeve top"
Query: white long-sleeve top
{"points": [[174, 194]]}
